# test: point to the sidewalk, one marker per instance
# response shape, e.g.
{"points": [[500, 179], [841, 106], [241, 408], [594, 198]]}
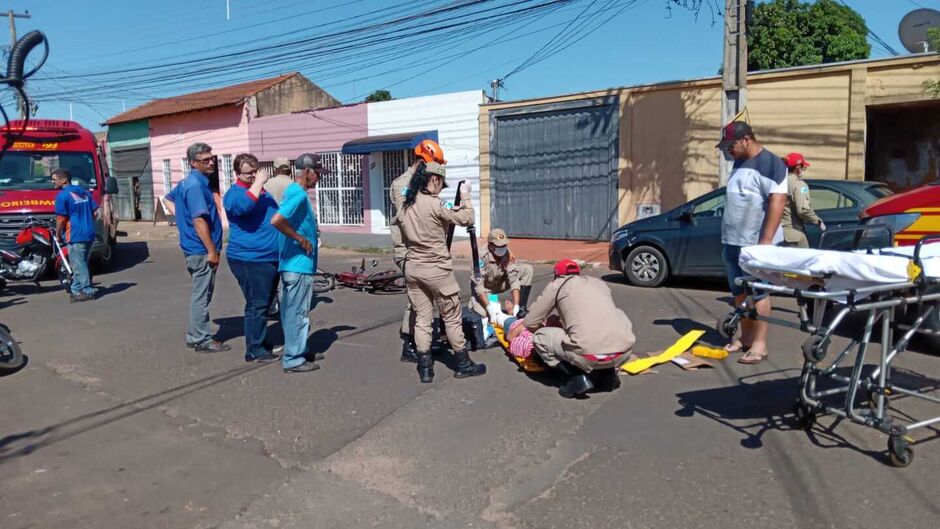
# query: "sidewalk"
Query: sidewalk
{"points": [[528, 250]]}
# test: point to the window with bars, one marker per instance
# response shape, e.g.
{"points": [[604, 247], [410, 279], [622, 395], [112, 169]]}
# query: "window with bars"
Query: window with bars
{"points": [[227, 176], [394, 163], [167, 176], [184, 168], [339, 192]]}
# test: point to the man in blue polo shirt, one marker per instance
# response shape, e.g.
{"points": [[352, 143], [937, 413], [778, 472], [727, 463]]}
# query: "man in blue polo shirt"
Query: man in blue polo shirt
{"points": [[200, 231], [76, 209], [253, 246], [298, 261]]}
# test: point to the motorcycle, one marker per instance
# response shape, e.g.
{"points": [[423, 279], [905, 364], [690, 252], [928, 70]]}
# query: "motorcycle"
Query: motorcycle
{"points": [[37, 248], [11, 357]]}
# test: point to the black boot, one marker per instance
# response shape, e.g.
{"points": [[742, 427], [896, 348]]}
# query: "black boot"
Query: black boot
{"points": [[524, 300], [605, 379], [425, 367], [408, 352], [466, 367], [577, 383]]}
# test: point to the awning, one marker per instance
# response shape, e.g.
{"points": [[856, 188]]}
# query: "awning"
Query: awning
{"points": [[388, 142]]}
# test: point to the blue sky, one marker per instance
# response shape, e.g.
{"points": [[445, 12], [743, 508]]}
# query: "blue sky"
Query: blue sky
{"points": [[647, 43]]}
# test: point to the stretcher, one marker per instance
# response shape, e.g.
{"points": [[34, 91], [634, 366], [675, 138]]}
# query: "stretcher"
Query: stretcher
{"points": [[876, 284]]}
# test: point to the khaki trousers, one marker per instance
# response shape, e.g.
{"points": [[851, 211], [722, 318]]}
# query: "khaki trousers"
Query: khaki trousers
{"points": [[427, 285], [526, 273]]}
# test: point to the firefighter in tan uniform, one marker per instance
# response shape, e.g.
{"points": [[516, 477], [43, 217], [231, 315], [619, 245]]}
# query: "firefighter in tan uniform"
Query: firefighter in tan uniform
{"points": [[424, 220], [500, 273], [426, 151], [591, 334], [799, 210]]}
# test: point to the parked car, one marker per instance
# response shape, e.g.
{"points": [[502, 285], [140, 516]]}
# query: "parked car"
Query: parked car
{"points": [[686, 241], [910, 215]]}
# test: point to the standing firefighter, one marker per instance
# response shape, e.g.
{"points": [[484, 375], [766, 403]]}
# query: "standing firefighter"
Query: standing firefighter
{"points": [[426, 151], [424, 222], [500, 273], [798, 211]]}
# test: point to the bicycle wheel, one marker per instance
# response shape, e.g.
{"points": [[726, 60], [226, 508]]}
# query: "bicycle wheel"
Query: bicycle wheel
{"points": [[11, 357], [387, 282], [323, 282]]}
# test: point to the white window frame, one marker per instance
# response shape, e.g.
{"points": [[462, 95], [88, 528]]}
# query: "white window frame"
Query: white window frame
{"points": [[184, 168], [226, 175], [394, 163], [345, 169], [167, 176]]}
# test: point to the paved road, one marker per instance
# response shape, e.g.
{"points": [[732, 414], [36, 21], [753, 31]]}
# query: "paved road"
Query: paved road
{"points": [[114, 424]]}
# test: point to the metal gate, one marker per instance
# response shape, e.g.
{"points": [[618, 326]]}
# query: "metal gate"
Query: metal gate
{"points": [[554, 169], [339, 192], [132, 169]]}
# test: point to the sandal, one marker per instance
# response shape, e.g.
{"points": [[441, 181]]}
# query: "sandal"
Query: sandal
{"points": [[752, 358], [736, 347]]}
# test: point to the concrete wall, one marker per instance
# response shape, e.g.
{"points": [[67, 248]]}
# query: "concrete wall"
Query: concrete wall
{"points": [[455, 116], [668, 131], [294, 94], [288, 135], [224, 129]]}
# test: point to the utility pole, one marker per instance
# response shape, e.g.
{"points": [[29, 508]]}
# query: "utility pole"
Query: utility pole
{"points": [[733, 72], [495, 85], [20, 104]]}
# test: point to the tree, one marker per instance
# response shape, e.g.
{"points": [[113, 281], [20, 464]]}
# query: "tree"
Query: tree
{"points": [[379, 95], [932, 86], [785, 33]]}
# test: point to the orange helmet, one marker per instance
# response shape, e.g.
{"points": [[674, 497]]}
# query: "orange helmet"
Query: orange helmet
{"points": [[430, 151]]}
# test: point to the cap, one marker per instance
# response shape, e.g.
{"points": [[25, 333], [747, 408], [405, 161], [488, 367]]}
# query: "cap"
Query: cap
{"points": [[794, 158], [734, 131], [310, 161], [435, 168], [567, 267], [497, 237], [283, 169]]}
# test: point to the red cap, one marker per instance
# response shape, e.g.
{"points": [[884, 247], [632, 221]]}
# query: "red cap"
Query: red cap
{"points": [[794, 158], [566, 267]]}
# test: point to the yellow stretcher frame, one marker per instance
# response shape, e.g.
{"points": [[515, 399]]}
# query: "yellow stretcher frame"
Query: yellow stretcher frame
{"points": [[530, 365]]}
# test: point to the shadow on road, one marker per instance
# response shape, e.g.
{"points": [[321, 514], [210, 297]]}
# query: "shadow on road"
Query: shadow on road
{"points": [[25, 443], [686, 325], [114, 289], [322, 339], [129, 255], [758, 404]]}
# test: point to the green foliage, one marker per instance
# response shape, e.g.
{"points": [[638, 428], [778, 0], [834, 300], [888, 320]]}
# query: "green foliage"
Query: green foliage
{"points": [[379, 95], [932, 86], [785, 33]]}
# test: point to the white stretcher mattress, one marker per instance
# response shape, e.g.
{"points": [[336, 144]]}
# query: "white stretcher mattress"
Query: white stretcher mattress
{"points": [[834, 270]]}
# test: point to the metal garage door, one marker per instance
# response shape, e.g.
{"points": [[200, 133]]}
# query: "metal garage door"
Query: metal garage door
{"points": [[132, 169], [554, 170]]}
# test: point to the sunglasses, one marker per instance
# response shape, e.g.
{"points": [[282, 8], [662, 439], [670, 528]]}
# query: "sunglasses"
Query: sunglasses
{"points": [[210, 159]]}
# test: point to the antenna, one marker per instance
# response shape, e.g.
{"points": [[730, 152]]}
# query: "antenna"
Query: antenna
{"points": [[913, 29]]}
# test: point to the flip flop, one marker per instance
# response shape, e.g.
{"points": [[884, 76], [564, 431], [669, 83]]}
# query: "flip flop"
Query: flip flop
{"points": [[736, 347], [752, 358]]}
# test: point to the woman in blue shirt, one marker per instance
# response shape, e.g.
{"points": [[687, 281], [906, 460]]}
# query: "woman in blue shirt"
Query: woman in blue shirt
{"points": [[253, 246]]}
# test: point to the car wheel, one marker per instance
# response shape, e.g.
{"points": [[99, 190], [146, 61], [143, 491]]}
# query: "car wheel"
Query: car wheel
{"points": [[104, 262], [646, 266]]}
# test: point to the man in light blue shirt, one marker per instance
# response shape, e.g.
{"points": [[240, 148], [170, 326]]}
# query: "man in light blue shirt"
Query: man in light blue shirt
{"points": [[298, 261]]}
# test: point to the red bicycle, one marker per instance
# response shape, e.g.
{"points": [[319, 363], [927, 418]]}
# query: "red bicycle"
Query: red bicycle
{"points": [[390, 281]]}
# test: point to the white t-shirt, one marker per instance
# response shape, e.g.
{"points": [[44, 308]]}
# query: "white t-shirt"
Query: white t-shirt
{"points": [[748, 193]]}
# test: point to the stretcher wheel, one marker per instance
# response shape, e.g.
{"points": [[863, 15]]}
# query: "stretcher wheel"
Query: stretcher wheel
{"points": [[900, 453], [805, 417], [814, 348], [727, 327]]}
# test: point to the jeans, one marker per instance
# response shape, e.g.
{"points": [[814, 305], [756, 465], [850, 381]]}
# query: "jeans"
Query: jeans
{"points": [[258, 281], [79, 254], [296, 295], [203, 285]]}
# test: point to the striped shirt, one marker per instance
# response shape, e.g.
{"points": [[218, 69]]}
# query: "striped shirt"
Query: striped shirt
{"points": [[521, 346]]}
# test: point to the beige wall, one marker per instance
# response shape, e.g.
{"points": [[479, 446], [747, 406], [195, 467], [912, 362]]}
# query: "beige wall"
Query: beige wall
{"points": [[296, 93], [668, 132]]}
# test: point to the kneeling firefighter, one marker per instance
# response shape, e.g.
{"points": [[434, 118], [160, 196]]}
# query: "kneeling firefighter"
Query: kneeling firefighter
{"points": [[424, 221], [426, 151]]}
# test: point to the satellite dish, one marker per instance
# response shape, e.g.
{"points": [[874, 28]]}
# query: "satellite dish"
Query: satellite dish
{"points": [[914, 26]]}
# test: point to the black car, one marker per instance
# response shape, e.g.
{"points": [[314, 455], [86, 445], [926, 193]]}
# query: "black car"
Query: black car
{"points": [[686, 241]]}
